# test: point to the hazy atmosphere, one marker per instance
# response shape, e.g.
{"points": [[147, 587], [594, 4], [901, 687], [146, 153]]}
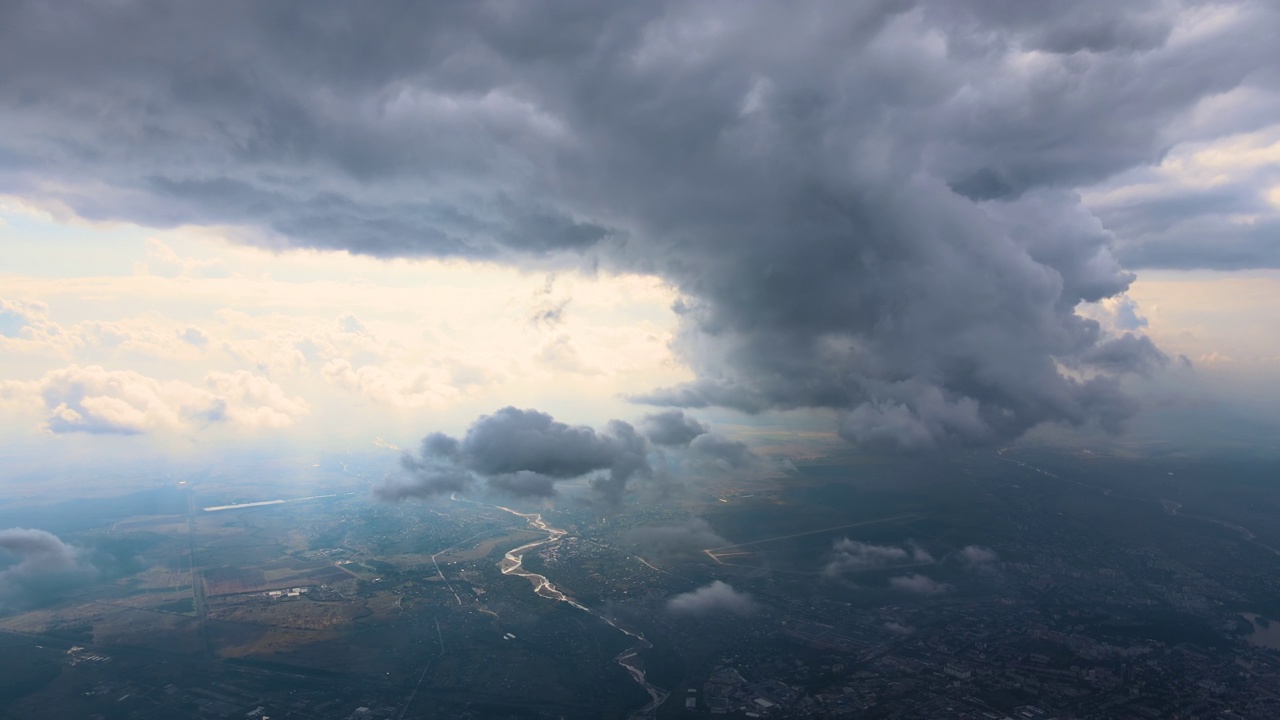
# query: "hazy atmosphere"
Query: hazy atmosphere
{"points": [[611, 271]]}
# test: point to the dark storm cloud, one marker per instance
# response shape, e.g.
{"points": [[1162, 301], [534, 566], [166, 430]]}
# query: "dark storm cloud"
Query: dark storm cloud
{"points": [[1093, 25], [672, 427], [1208, 242], [694, 444], [524, 484], [426, 475], [524, 453], [867, 206], [1230, 222], [629, 460], [439, 445], [37, 564], [1127, 353], [513, 440], [722, 452]]}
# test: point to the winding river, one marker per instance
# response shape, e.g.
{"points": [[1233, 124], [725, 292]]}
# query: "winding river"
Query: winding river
{"points": [[513, 564]]}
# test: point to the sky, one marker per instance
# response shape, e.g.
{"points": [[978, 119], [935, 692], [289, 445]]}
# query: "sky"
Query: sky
{"points": [[898, 225]]}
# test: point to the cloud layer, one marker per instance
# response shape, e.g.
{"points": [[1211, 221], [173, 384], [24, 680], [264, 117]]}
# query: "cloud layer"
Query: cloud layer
{"points": [[869, 207], [95, 400]]}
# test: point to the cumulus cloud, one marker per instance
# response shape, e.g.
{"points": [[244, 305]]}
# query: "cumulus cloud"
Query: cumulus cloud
{"points": [[25, 327], [253, 401], [868, 207], [193, 335], [95, 400], [38, 563], [672, 427], [424, 480], [349, 323], [512, 440], [19, 316], [524, 453], [695, 443], [852, 556], [721, 452], [718, 598], [1127, 353], [978, 555], [918, 584]]}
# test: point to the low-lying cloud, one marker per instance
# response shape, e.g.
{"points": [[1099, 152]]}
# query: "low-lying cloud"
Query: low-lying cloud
{"points": [[919, 584], [718, 598], [978, 555], [694, 444], [852, 556], [527, 453], [672, 427], [39, 565], [685, 539]]}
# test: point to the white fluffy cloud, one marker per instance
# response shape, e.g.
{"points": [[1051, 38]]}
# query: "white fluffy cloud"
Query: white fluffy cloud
{"points": [[394, 385], [718, 598], [253, 401], [978, 555], [25, 327], [96, 400], [18, 317], [853, 556], [393, 343]]}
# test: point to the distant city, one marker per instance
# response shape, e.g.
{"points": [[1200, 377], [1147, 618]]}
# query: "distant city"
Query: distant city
{"points": [[1021, 583]]}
